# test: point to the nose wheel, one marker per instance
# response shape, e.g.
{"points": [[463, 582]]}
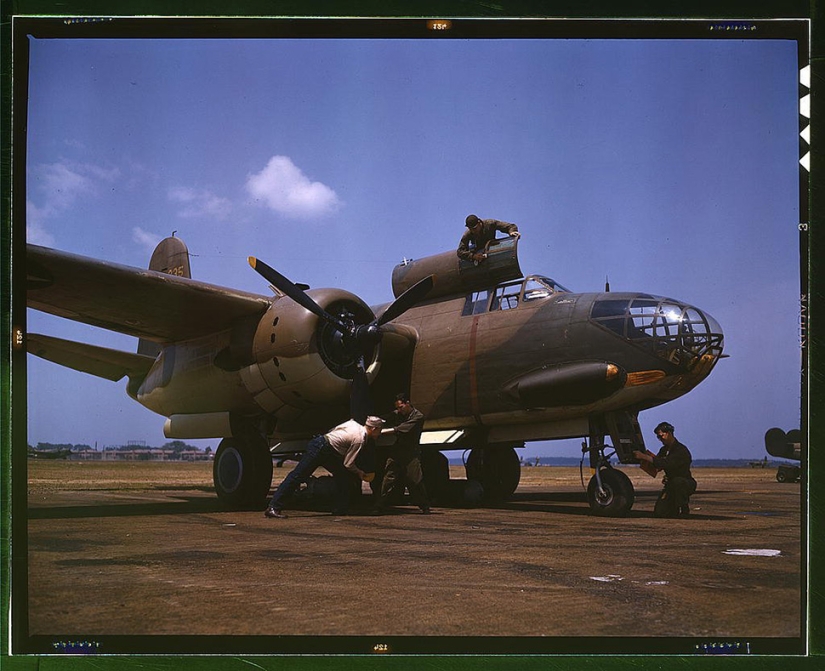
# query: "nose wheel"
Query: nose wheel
{"points": [[609, 492]]}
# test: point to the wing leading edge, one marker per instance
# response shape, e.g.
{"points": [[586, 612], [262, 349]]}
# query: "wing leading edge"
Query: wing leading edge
{"points": [[142, 303]]}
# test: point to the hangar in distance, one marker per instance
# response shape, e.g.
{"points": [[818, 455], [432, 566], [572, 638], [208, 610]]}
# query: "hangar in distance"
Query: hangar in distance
{"points": [[493, 358]]}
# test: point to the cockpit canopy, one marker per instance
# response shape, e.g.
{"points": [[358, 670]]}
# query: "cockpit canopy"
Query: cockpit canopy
{"points": [[512, 294]]}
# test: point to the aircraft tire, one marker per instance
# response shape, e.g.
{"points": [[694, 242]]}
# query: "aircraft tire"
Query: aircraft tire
{"points": [[242, 473], [436, 471], [781, 476], [497, 469], [618, 497]]}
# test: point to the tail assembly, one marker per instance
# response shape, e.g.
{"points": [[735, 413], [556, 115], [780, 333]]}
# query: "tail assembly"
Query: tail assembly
{"points": [[171, 256]]}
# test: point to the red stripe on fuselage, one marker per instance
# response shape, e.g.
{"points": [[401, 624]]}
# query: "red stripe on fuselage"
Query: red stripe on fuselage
{"points": [[474, 406]]}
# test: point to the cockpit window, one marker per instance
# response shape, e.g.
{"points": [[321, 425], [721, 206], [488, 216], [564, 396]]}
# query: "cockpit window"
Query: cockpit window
{"points": [[554, 286], [509, 296], [535, 289], [506, 297], [476, 303]]}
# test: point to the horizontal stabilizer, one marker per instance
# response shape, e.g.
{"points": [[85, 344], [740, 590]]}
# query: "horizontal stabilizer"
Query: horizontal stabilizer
{"points": [[110, 364]]}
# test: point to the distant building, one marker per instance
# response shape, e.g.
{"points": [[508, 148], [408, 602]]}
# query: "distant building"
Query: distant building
{"points": [[134, 452]]}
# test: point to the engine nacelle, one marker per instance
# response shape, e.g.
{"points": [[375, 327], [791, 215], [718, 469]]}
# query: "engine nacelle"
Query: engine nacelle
{"points": [[300, 359]]}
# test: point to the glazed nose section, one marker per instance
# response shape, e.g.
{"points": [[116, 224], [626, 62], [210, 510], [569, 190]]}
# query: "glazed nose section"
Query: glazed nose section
{"points": [[682, 334], [697, 341]]}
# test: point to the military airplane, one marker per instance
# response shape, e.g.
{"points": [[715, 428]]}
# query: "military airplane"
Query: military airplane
{"points": [[492, 358], [785, 446]]}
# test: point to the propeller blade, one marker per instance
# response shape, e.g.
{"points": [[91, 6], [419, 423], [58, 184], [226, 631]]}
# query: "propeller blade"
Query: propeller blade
{"points": [[360, 400], [405, 301], [294, 292]]}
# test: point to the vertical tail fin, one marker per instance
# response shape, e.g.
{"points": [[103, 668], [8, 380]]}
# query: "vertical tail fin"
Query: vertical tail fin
{"points": [[171, 256]]}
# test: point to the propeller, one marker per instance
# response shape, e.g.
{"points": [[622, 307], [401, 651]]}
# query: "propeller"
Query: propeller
{"points": [[362, 338], [294, 292], [415, 294]]}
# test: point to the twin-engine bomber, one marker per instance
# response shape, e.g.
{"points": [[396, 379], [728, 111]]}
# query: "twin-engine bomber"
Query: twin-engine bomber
{"points": [[492, 358]]}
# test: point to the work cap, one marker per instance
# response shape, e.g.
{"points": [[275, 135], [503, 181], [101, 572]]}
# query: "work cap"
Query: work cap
{"points": [[471, 220], [374, 422]]}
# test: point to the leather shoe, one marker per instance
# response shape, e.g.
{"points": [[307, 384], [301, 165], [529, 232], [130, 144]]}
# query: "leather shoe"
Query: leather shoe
{"points": [[271, 512]]}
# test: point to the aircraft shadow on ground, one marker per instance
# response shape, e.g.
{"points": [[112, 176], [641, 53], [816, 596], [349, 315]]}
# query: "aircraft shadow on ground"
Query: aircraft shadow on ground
{"points": [[175, 506], [561, 503]]}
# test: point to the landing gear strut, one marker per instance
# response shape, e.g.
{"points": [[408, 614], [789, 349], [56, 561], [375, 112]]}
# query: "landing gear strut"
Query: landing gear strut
{"points": [[609, 492]]}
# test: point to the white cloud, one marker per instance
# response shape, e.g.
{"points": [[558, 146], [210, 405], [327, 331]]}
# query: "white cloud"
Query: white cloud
{"points": [[144, 238], [61, 185], [57, 186], [282, 187], [36, 232], [200, 203]]}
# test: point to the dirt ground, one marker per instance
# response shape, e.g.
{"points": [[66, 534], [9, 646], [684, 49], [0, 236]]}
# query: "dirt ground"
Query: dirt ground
{"points": [[118, 552]]}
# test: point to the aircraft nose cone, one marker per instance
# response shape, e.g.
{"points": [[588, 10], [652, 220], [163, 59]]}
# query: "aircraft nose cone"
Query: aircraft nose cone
{"points": [[692, 337], [702, 338]]}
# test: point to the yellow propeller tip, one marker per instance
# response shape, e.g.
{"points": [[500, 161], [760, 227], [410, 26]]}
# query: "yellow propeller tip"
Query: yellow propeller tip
{"points": [[252, 261]]}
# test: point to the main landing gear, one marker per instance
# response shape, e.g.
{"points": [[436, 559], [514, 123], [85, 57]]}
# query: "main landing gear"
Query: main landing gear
{"points": [[498, 470], [609, 492], [493, 473], [242, 471]]}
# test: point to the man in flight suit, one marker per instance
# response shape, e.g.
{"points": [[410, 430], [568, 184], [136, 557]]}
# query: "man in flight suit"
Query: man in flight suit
{"points": [[336, 451], [403, 462], [674, 459], [479, 233]]}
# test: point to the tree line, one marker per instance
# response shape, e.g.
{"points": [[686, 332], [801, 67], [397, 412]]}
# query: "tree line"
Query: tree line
{"points": [[175, 446]]}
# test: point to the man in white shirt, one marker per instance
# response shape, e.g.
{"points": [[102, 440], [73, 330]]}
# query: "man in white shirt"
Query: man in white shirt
{"points": [[337, 451]]}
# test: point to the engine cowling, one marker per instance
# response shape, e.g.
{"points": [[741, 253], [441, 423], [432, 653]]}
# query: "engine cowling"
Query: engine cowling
{"points": [[300, 359]]}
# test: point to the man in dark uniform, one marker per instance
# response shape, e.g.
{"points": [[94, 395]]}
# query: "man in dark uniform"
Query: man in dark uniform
{"points": [[403, 458], [479, 233], [674, 459], [337, 451]]}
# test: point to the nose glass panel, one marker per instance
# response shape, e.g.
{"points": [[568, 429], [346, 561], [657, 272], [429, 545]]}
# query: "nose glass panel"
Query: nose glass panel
{"points": [[677, 332]]}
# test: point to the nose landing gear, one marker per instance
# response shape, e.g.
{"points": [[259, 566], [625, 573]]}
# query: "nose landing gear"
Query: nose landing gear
{"points": [[609, 492]]}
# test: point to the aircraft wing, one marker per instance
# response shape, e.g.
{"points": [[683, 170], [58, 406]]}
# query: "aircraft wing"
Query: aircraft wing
{"points": [[142, 303], [110, 364]]}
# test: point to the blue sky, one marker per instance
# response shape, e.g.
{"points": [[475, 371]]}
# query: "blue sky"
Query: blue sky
{"points": [[670, 166]]}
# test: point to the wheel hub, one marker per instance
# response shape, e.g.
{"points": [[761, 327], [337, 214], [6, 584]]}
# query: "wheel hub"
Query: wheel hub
{"points": [[604, 496], [230, 470]]}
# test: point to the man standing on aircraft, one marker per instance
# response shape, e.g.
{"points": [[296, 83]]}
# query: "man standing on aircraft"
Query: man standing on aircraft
{"points": [[336, 451], [403, 458], [479, 233], [675, 459]]}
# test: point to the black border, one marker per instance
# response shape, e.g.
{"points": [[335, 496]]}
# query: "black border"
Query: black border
{"points": [[351, 27]]}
